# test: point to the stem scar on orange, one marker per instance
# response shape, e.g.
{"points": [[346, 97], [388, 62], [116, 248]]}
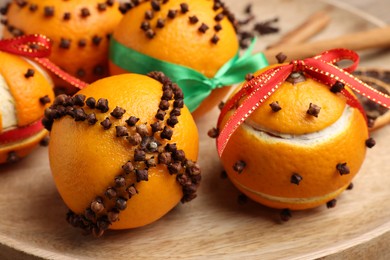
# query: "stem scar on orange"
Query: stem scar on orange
{"points": [[122, 151], [25, 92], [298, 150]]}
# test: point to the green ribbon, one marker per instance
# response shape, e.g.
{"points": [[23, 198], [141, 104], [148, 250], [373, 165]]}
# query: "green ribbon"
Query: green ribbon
{"points": [[196, 86]]}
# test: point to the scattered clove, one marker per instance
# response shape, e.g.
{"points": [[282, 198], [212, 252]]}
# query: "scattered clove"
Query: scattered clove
{"points": [[213, 132], [331, 204], [370, 142], [285, 215], [281, 57]]}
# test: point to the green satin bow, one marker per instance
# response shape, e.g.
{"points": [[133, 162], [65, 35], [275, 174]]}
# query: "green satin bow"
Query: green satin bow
{"points": [[196, 87]]}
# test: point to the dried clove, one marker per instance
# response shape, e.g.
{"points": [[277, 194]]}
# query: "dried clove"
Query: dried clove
{"points": [[128, 167], [203, 28], [102, 105], [121, 131], [213, 132], [275, 106], [337, 87], [135, 139], [281, 57], [313, 110], [132, 120], [370, 142], [193, 19], [184, 8], [120, 181], [97, 205], [342, 168], [239, 166], [141, 175], [44, 100], [285, 215], [118, 112], [106, 123], [331, 204], [110, 193], [91, 118]]}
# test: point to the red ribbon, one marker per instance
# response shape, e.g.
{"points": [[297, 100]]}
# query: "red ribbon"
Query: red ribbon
{"points": [[38, 47], [321, 68]]}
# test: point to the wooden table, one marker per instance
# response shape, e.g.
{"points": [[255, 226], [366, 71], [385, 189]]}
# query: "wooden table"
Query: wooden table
{"points": [[217, 234], [377, 8]]}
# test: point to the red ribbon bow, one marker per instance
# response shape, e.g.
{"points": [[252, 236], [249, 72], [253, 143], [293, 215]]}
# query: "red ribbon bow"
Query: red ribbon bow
{"points": [[38, 47], [321, 68]]}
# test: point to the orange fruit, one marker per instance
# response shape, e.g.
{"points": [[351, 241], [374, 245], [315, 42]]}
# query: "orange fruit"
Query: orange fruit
{"points": [[25, 92], [79, 32], [86, 159], [179, 41], [294, 159]]}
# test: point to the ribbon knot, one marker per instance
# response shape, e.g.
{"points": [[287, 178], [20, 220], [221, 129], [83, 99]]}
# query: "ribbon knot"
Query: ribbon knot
{"points": [[214, 83], [196, 86], [38, 47], [321, 68], [298, 65]]}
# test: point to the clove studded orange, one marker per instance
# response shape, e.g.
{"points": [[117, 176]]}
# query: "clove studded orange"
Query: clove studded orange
{"points": [[298, 150], [79, 31], [25, 92], [184, 34], [123, 154]]}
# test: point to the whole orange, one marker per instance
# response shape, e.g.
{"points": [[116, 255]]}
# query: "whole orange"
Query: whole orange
{"points": [[79, 31], [284, 156], [178, 38], [25, 92], [143, 125]]}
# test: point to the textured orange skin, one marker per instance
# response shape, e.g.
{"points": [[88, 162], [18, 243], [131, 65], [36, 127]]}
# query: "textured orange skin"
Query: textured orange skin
{"points": [[180, 41], [209, 103], [98, 23], [270, 164], [85, 159], [22, 148], [293, 118], [26, 93]]}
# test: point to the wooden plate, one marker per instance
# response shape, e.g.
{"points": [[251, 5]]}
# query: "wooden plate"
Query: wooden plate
{"points": [[215, 225]]}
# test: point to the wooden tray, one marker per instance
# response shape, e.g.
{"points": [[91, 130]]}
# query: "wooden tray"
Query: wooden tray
{"points": [[215, 225]]}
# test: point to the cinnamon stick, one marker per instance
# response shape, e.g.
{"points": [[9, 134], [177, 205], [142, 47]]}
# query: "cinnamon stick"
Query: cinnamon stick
{"points": [[374, 38], [314, 24]]}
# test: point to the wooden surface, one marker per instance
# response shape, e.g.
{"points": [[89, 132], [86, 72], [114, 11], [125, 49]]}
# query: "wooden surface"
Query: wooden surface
{"points": [[215, 225], [377, 8]]}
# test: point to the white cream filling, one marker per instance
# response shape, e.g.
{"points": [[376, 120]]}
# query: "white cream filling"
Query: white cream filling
{"points": [[7, 106], [7, 102], [304, 139], [289, 200]]}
